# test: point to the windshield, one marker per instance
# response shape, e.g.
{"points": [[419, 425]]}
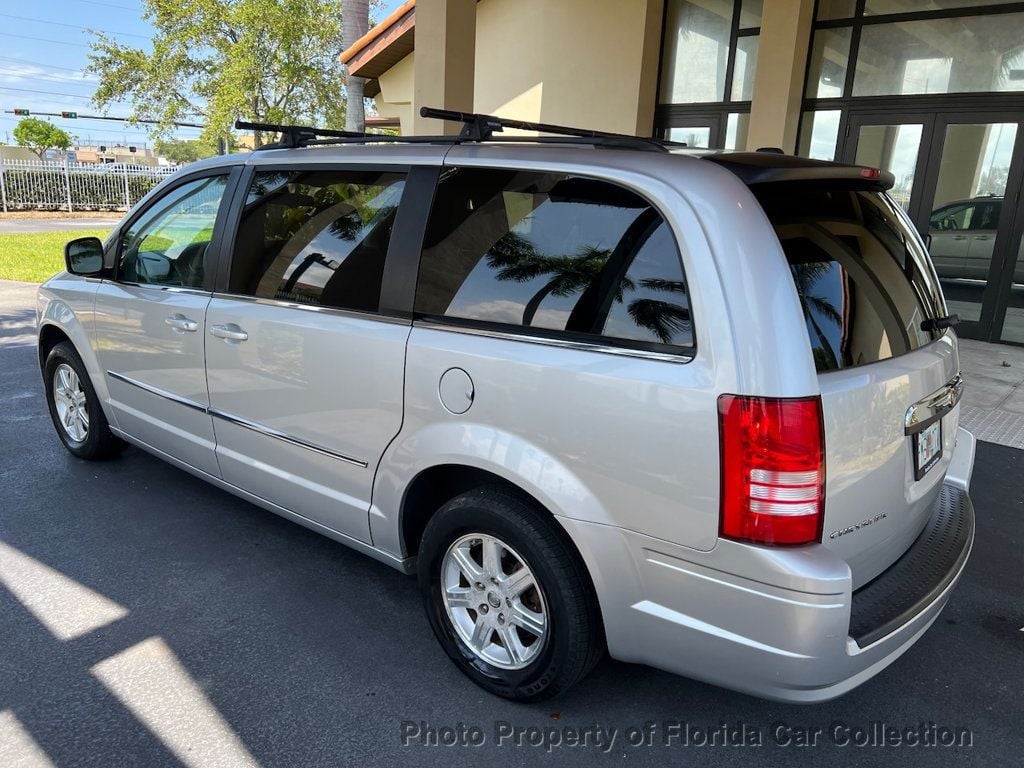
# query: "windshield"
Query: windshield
{"points": [[864, 280]]}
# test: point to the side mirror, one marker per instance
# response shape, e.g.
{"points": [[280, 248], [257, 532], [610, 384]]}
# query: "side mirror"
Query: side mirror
{"points": [[84, 256]]}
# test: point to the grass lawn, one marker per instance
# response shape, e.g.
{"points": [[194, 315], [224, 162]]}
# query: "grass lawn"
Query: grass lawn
{"points": [[37, 256]]}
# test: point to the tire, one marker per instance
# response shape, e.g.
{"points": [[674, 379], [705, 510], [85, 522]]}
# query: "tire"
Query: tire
{"points": [[84, 432], [560, 649]]}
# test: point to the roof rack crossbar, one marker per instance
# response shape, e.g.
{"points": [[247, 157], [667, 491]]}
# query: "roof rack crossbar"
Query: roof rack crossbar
{"points": [[480, 128], [477, 128], [294, 135]]}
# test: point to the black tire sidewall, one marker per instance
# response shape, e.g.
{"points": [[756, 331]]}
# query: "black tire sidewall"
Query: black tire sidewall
{"points": [[93, 445], [476, 513]]}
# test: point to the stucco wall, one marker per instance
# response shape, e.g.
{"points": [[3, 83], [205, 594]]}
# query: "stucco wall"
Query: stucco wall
{"points": [[579, 62]]}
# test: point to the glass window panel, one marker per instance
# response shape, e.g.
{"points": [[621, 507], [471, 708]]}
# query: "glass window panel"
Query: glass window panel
{"points": [[819, 132], [743, 71], [561, 254], [966, 210], [830, 56], [836, 9], [736, 128], [750, 13], [942, 56], [1013, 325], [892, 148], [695, 53], [316, 237], [167, 245], [698, 136], [879, 7]]}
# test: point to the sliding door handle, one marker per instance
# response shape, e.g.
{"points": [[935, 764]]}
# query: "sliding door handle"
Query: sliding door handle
{"points": [[228, 332]]}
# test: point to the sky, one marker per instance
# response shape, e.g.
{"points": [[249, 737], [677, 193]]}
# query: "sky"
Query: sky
{"points": [[43, 47]]}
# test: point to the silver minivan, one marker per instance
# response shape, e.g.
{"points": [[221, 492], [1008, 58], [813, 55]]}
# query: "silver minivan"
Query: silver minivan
{"points": [[598, 393]]}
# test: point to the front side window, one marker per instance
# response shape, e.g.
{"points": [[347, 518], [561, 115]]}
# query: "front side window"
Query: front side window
{"points": [[556, 254], [168, 244], [316, 237]]}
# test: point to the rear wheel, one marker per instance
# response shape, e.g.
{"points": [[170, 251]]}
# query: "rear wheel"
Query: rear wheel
{"points": [[507, 596], [75, 408]]}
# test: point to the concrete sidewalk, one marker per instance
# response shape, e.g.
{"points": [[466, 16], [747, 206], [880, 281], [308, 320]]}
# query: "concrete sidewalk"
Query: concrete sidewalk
{"points": [[993, 404]]}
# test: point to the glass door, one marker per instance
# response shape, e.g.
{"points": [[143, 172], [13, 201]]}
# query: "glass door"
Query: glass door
{"points": [[970, 197], [958, 176]]}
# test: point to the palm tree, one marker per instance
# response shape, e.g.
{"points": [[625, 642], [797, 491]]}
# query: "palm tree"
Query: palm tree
{"points": [[805, 276], [664, 319], [517, 260], [355, 21]]}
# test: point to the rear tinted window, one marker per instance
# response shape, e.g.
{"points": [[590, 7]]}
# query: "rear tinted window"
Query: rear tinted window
{"points": [[555, 255], [864, 282]]}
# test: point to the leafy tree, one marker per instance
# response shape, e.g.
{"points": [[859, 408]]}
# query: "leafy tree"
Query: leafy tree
{"points": [[219, 60], [184, 150], [39, 135]]}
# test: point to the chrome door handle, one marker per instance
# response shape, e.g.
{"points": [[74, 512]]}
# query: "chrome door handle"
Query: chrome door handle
{"points": [[982, 237], [228, 332], [960, 237], [181, 324]]}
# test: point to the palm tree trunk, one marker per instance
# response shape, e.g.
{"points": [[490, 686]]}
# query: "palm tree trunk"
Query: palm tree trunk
{"points": [[534, 303], [355, 21]]}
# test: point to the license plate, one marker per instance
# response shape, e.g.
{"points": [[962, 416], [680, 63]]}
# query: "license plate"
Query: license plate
{"points": [[927, 448]]}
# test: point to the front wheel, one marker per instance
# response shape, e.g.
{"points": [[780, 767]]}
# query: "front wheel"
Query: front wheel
{"points": [[75, 408], [507, 595]]}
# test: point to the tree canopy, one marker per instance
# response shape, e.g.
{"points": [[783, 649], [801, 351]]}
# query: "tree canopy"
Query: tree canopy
{"points": [[181, 151], [39, 135], [221, 60]]}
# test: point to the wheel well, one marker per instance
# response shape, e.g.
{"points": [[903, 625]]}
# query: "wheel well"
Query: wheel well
{"points": [[49, 337], [430, 489]]}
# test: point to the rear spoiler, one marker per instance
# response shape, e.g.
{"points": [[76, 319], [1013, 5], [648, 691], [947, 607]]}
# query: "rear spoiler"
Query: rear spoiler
{"points": [[755, 168]]}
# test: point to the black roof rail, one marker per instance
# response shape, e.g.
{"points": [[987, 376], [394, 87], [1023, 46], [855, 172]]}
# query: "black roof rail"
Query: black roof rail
{"points": [[477, 128], [294, 135]]}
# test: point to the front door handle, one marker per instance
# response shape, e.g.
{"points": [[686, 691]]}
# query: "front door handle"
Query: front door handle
{"points": [[228, 332], [181, 324], [960, 237]]}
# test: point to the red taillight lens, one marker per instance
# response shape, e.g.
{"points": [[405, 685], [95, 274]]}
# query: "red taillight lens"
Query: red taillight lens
{"points": [[773, 469]]}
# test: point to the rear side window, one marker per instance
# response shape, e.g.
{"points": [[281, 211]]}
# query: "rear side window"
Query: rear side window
{"points": [[864, 282], [316, 237], [554, 255]]}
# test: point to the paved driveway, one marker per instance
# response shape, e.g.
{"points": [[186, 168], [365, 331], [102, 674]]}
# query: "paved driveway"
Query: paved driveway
{"points": [[57, 225], [149, 619]]}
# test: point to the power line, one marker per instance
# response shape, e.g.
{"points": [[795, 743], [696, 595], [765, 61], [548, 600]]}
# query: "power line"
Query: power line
{"points": [[48, 93], [43, 39], [72, 26], [43, 77], [39, 64], [110, 5]]}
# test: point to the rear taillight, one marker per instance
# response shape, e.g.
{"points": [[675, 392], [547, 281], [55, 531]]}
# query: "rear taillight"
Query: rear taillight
{"points": [[773, 469]]}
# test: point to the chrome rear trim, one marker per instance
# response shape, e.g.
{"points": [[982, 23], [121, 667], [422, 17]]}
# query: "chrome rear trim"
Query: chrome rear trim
{"points": [[930, 409]]}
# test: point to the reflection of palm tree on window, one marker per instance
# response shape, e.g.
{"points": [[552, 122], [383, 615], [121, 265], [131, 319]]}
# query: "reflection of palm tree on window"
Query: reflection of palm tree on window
{"points": [[805, 276], [517, 260]]}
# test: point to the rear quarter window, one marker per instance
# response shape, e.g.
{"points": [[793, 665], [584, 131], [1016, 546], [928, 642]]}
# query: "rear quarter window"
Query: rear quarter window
{"points": [[864, 282], [553, 255]]}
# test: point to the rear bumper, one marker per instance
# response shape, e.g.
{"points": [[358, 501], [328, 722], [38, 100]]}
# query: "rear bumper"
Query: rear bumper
{"points": [[782, 624]]}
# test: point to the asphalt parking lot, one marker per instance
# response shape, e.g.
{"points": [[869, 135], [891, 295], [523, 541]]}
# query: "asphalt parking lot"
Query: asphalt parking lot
{"points": [[149, 619]]}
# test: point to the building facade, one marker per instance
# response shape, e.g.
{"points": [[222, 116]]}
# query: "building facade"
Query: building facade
{"points": [[932, 90]]}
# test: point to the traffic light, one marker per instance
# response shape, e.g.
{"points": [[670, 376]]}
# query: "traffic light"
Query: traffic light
{"points": [[103, 148], [71, 115], [21, 112], [132, 149]]}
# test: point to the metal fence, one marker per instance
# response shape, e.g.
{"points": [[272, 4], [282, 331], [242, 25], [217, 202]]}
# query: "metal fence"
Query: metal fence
{"points": [[61, 185]]}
